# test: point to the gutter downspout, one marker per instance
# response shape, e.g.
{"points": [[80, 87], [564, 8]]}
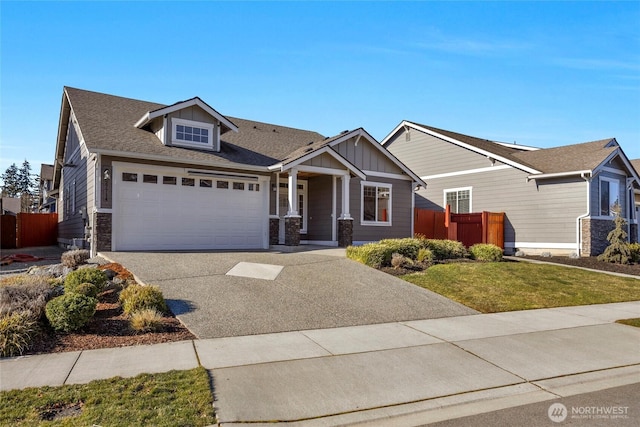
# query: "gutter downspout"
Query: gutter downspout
{"points": [[581, 217]]}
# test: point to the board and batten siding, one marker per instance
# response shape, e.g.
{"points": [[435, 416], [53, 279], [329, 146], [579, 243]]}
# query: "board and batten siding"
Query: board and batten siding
{"points": [[365, 157]]}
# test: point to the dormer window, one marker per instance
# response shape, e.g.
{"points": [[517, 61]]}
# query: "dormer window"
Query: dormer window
{"points": [[192, 134]]}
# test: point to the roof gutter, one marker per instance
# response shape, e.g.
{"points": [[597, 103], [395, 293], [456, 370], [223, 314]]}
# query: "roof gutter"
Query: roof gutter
{"points": [[581, 173]]}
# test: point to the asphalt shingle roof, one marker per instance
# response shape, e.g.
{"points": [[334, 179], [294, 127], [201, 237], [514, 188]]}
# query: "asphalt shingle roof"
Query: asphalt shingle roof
{"points": [[568, 158], [107, 124]]}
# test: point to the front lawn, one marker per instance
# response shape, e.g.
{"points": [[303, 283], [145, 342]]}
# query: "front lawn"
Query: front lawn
{"points": [[509, 286], [169, 399]]}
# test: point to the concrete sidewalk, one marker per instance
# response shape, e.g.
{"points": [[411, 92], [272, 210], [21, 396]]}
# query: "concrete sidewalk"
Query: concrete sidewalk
{"points": [[402, 373]]}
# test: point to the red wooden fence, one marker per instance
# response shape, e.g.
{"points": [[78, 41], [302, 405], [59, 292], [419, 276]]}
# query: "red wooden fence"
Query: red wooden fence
{"points": [[30, 229], [471, 228], [8, 232]]}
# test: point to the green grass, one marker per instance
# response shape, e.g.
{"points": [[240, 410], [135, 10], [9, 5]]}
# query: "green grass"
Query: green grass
{"points": [[507, 286], [631, 322], [176, 398]]}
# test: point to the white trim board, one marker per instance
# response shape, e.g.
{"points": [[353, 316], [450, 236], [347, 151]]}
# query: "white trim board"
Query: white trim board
{"points": [[467, 172]]}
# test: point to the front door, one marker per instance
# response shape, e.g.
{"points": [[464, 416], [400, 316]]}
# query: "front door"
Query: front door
{"points": [[301, 201]]}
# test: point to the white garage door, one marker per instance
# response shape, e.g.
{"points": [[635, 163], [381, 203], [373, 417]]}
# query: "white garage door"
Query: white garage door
{"points": [[166, 209]]}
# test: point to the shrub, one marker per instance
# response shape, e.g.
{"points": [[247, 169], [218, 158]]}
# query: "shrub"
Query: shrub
{"points": [[486, 252], [634, 248], [379, 254], [16, 333], [87, 289], [424, 255], [618, 250], [70, 312], [74, 258], [27, 296], [146, 320], [445, 249], [86, 275], [138, 297]]}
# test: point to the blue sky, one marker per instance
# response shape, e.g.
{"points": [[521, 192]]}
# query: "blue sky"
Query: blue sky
{"points": [[539, 73]]}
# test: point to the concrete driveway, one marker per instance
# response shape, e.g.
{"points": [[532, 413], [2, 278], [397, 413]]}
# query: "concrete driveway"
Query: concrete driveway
{"points": [[313, 289]]}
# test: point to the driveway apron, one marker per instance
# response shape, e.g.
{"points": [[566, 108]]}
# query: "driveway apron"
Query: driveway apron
{"points": [[309, 291]]}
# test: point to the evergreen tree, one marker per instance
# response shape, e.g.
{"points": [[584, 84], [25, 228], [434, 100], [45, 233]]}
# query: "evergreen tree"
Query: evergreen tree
{"points": [[11, 182], [618, 250]]}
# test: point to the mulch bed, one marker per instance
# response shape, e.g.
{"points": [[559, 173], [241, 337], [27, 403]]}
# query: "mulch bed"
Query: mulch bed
{"points": [[591, 262], [108, 328]]}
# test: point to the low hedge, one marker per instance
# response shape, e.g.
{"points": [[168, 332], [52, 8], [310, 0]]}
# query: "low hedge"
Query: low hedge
{"points": [[486, 252], [379, 254]]}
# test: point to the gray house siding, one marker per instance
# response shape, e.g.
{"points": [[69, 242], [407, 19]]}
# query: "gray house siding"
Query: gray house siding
{"points": [[365, 157], [74, 189], [537, 212], [401, 212], [424, 154]]}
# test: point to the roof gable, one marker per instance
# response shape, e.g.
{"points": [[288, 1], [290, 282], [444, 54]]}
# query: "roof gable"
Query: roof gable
{"points": [[107, 124], [227, 125]]}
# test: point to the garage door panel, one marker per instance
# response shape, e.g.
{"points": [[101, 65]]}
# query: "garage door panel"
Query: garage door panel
{"points": [[169, 217]]}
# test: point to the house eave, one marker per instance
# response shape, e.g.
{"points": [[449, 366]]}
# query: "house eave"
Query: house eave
{"points": [[559, 175], [159, 158], [150, 115]]}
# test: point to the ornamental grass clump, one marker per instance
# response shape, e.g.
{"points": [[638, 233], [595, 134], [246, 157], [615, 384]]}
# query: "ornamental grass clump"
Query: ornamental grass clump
{"points": [[424, 255], [16, 333], [139, 297], [29, 295], [86, 275], [485, 252], [146, 320], [73, 259], [70, 312]]}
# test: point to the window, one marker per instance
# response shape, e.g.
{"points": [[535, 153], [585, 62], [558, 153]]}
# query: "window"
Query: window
{"points": [[238, 185], [206, 183], [169, 180], [150, 179], [609, 197], [459, 199], [193, 134], [129, 177], [376, 203], [222, 184], [188, 182], [254, 187]]}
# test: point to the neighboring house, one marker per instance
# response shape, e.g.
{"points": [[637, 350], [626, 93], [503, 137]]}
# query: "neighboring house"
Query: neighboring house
{"points": [[136, 175], [10, 205], [557, 200], [46, 201]]}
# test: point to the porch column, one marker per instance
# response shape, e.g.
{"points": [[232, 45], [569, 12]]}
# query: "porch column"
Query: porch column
{"points": [[345, 222], [292, 219]]}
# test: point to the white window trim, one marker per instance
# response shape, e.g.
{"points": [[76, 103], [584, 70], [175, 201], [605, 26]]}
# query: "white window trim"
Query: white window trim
{"points": [[451, 190], [202, 125], [390, 213], [608, 180]]}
